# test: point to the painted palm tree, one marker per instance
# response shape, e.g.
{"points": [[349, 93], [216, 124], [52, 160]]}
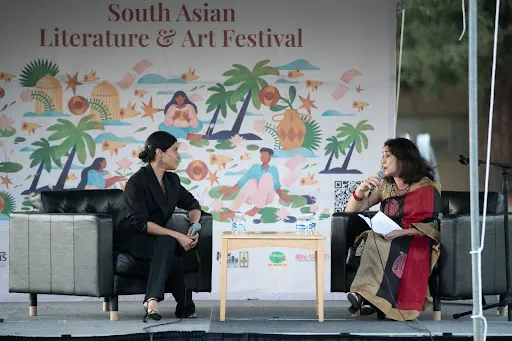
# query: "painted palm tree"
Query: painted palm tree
{"points": [[44, 156], [353, 138], [76, 141], [219, 101], [333, 148], [249, 84]]}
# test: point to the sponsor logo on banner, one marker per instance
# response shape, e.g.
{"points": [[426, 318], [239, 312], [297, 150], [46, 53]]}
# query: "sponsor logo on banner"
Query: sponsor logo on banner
{"points": [[277, 258], [309, 257], [242, 261], [3, 259]]}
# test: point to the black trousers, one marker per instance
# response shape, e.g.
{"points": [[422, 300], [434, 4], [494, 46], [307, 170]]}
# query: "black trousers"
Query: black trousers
{"points": [[165, 269]]}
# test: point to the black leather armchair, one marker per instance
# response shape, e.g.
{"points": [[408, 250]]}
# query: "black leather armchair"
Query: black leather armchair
{"points": [[451, 278], [65, 247]]}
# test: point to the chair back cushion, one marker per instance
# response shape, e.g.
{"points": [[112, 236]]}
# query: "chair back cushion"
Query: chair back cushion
{"points": [[459, 203]]}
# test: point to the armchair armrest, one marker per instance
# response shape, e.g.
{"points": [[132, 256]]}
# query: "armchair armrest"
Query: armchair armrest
{"points": [[455, 259], [341, 238], [68, 254], [199, 259]]}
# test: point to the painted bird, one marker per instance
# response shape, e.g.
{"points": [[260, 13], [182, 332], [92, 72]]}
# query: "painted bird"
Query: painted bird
{"points": [[112, 146], [91, 77], [190, 75], [295, 73], [313, 84], [359, 105]]}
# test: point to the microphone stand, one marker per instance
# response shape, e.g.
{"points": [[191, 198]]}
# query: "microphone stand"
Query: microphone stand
{"points": [[504, 299]]}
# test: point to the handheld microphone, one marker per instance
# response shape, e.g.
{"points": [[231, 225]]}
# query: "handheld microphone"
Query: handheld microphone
{"points": [[463, 160], [195, 229], [380, 174]]}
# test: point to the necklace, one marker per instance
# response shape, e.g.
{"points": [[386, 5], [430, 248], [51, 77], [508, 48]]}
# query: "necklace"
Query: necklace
{"points": [[399, 192]]}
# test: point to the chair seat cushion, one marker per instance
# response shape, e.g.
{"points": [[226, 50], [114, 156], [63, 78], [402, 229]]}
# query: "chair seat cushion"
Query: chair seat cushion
{"points": [[128, 266]]}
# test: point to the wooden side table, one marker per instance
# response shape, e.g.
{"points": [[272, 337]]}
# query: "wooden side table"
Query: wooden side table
{"points": [[314, 242]]}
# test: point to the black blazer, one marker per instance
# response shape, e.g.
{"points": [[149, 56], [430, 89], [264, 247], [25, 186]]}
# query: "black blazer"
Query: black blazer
{"points": [[146, 201]]}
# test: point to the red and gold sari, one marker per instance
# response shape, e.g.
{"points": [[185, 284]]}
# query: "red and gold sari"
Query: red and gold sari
{"points": [[393, 274]]}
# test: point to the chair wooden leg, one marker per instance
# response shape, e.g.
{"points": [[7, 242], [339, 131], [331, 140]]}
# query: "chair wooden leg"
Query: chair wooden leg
{"points": [[32, 300], [437, 309], [106, 304], [113, 308]]}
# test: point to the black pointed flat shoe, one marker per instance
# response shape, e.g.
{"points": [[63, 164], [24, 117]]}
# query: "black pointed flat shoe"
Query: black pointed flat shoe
{"points": [[152, 314]]}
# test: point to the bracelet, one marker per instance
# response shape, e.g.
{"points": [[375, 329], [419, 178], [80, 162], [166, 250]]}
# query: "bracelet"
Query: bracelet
{"points": [[356, 197]]}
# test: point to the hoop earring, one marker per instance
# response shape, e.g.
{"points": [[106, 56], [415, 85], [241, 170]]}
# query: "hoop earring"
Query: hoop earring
{"points": [[160, 163]]}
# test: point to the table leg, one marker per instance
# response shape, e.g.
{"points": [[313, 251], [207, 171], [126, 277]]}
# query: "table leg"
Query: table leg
{"points": [[320, 279], [316, 280], [223, 277]]}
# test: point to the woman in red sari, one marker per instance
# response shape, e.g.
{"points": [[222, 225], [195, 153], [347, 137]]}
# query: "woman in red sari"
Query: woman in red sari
{"points": [[393, 272]]}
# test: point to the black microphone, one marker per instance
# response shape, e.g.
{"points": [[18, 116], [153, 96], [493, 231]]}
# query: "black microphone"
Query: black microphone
{"points": [[464, 160]]}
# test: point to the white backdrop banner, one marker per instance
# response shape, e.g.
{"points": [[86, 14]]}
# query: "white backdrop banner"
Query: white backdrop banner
{"points": [[307, 87]]}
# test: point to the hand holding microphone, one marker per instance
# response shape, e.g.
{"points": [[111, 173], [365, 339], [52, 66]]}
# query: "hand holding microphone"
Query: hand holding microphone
{"points": [[371, 182]]}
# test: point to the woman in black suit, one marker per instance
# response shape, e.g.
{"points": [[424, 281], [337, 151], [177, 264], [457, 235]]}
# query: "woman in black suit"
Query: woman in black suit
{"points": [[151, 196]]}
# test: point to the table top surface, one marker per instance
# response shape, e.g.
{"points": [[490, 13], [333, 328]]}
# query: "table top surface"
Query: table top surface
{"points": [[272, 235]]}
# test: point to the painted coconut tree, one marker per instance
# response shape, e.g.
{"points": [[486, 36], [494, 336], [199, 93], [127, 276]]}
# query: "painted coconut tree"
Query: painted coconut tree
{"points": [[76, 141], [45, 155], [332, 148], [220, 101], [352, 138], [249, 85]]}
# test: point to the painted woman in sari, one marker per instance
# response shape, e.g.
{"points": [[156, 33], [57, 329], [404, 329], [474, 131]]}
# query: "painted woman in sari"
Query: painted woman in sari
{"points": [[393, 270]]}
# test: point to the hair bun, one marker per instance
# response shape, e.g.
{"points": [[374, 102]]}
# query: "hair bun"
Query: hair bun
{"points": [[144, 156]]}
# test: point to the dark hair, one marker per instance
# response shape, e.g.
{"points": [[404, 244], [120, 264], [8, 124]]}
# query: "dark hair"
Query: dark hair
{"points": [[268, 150], [173, 100], [95, 165], [158, 140], [412, 167]]}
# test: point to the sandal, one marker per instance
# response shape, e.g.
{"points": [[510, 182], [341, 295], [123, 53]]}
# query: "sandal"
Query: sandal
{"points": [[153, 314]]}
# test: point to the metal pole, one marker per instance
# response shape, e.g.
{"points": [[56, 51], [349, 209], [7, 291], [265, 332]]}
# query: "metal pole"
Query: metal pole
{"points": [[473, 168]]}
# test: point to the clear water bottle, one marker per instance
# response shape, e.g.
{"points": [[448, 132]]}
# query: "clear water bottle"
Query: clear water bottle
{"points": [[300, 225], [238, 226], [311, 223]]}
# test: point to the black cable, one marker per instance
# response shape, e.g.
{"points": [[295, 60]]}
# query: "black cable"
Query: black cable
{"points": [[387, 280]]}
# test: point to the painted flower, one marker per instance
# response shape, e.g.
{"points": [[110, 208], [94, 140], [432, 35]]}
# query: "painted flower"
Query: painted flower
{"points": [[217, 206], [237, 141], [314, 208], [326, 210], [183, 146], [269, 95], [26, 96], [259, 125], [5, 122], [282, 213], [124, 164]]}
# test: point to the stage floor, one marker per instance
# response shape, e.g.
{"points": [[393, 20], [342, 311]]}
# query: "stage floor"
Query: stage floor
{"points": [[80, 319]]}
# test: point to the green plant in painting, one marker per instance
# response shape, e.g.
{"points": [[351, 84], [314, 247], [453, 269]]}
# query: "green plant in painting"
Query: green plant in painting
{"points": [[36, 70]]}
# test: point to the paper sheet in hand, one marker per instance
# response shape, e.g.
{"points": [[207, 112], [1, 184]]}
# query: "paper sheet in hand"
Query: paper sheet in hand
{"points": [[381, 223]]}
